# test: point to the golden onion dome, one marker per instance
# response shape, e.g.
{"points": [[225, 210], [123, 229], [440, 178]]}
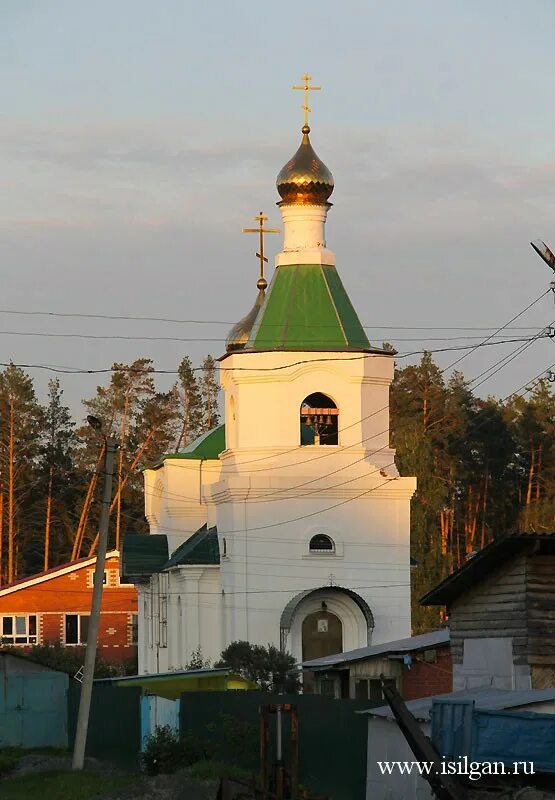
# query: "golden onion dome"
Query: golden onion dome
{"points": [[305, 180], [239, 334]]}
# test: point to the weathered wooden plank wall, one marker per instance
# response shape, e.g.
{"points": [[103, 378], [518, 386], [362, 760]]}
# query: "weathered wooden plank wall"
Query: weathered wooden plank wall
{"points": [[494, 608]]}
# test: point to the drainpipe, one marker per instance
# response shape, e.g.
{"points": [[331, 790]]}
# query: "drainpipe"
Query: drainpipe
{"points": [[202, 460]]}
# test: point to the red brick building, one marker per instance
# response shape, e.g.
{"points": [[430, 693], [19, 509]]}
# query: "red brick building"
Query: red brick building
{"points": [[419, 666], [430, 672], [54, 606]]}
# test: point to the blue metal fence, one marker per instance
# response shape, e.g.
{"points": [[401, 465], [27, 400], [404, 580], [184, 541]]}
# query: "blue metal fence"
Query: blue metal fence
{"points": [[33, 710]]}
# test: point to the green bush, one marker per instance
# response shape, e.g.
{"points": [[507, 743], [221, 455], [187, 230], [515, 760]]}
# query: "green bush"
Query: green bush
{"points": [[71, 659], [166, 751], [270, 668]]}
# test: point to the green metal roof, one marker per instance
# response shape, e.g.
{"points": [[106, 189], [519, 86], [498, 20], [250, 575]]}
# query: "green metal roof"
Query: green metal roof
{"points": [[172, 685], [307, 308], [208, 445], [143, 554], [201, 548]]}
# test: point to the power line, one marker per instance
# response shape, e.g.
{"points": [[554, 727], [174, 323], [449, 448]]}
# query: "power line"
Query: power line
{"points": [[122, 317], [190, 339], [347, 500], [246, 591], [513, 319], [66, 370]]}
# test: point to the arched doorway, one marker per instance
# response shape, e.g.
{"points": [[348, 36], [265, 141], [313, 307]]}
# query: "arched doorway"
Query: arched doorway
{"points": [[319, 420], [323, 621], [322, 634]]}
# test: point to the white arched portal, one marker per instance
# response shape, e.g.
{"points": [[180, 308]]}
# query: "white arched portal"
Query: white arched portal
{"points": [[352, 611]]}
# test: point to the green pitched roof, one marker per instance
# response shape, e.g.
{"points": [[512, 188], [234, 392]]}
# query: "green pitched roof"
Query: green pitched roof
{"points": [[143, 554], [307, 308], [201, 548], [207, 446]]}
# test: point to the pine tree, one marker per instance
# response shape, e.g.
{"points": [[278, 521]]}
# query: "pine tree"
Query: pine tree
{"points": [[56, 468], [418, 411], [533, 422], [117, 405], [20, 424], [152, 432], [209, 391], [191, 404]]}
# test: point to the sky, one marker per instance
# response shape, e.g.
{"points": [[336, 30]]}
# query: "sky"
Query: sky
{"points": [[138, 138]]}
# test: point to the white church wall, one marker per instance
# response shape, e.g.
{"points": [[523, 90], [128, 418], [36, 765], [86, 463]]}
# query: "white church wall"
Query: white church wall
{"points": [[268, 495], [268, 560], [268, 397], [142, 629], [174, 502], [178, 615]]}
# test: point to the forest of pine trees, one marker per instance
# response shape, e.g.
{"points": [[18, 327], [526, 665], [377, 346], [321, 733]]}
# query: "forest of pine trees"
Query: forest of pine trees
{"points": [[484, 466], [50, 466]]}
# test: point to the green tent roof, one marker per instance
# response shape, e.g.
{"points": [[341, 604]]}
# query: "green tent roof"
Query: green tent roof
{"points": [[208, 446], [143, 554], [307, 308], [201, 548]]}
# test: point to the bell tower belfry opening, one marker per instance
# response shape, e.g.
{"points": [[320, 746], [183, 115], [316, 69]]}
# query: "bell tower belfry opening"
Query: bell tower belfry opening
{"points": [[319, 420]]}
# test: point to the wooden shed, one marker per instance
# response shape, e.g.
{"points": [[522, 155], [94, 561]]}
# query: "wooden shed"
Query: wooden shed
{"points": [[501, 608]]}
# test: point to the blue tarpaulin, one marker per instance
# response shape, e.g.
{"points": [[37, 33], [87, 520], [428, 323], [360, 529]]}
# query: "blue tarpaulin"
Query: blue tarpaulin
{"points": [[459, 729]]}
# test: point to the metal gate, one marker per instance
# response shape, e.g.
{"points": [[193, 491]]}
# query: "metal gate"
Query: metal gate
{"points": [[33, 710]]}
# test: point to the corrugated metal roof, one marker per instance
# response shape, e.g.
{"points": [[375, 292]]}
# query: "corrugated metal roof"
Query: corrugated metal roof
{"points": [[424, 641], [485, 697], [206, 447], [172, 685], [143, 554], [201, 548], [483, 562]]}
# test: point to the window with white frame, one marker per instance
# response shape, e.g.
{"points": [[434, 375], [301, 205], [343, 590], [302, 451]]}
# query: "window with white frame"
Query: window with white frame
{"points": [[18, 629], [111, 578], [76, 628]]}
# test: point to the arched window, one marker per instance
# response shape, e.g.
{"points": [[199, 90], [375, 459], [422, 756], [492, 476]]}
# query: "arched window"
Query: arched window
{"points": [[321, 543], [319, 420]]}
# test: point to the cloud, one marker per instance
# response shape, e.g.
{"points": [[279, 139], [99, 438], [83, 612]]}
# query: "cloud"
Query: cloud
{"points": [[430, 226], [424, 184]]}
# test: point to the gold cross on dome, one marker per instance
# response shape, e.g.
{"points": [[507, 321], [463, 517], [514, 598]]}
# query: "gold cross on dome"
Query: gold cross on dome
{"points": [[261, 230], [306, 88]]}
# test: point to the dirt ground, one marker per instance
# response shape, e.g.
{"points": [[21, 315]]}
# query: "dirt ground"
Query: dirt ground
{"points": [[160, 787]]}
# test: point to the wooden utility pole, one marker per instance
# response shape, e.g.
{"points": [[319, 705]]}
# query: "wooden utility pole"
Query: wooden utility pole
{"points": [[94, 619], [120, 489]]}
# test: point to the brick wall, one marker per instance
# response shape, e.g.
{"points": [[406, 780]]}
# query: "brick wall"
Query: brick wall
{"points": [[424, 678], [71, 593]]}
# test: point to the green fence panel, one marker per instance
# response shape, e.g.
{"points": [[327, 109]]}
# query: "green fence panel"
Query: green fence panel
{"points": [[332, 736], [115, 723]]}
